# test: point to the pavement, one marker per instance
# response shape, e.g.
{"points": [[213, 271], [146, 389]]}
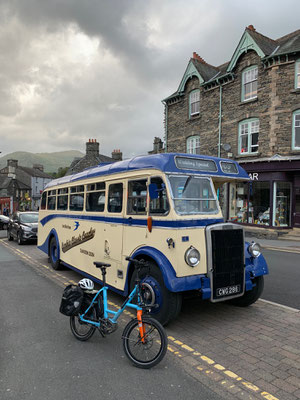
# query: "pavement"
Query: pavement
{"points": [[283, 243]]}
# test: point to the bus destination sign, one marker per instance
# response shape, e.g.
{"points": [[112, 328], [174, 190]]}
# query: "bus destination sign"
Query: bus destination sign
{"points": [[196, 164], [229, 167]]}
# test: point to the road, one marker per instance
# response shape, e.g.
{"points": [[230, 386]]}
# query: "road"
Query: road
{"points": [[216, 351], [282, 284]]}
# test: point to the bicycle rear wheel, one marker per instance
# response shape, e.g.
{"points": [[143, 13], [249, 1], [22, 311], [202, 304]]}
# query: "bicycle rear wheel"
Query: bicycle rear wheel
{"points": [[150, 351], [82, 330]]}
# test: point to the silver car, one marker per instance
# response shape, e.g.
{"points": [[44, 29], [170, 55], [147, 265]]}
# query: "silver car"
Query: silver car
{"points": [[23, 226]]}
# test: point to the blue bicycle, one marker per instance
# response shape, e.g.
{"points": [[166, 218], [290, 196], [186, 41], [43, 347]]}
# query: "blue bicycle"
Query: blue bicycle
{"points": [[144, 339]]}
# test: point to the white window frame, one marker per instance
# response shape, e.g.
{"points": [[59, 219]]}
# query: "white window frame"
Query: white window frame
{"points": [[248, 128], [296, 124], [249, 77], [193, 144], [194, 102], [297, 74]]}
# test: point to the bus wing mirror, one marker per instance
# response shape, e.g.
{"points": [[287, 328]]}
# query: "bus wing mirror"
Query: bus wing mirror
{"points": [[153, 191]]}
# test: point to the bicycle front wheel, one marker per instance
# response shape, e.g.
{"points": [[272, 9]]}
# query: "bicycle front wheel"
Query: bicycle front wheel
{"points": [[82, 330], [147, 351]]}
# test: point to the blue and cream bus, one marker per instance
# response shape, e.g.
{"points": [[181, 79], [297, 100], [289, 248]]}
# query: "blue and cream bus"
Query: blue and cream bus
{"points": [[161, 208]]}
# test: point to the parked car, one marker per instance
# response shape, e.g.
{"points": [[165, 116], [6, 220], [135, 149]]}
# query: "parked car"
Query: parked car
{"points": [[3, 221], [23, 226]]}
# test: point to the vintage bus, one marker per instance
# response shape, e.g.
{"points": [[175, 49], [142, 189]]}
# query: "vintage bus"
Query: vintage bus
{"points": [[161, 208]]}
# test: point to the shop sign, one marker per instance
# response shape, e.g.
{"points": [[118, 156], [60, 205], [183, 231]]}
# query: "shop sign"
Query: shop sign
{"points": [[253, 176]]}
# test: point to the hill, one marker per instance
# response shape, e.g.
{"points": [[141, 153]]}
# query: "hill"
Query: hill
{"points": [[50, 161]]}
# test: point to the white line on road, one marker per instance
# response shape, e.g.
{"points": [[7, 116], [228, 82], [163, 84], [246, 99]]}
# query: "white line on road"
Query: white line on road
{"points": [[280, 305]]}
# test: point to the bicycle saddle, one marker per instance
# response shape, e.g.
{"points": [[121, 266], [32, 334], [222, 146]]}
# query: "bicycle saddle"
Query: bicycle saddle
{"points": [[99, 264]]}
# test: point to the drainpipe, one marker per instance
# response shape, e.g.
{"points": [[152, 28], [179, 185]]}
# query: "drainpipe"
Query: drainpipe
{"points": [[220, 120], [166, 125]]}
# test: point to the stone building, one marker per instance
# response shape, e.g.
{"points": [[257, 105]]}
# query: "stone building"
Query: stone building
{"points": [[92, 158], [247, 109], [22, 185]]}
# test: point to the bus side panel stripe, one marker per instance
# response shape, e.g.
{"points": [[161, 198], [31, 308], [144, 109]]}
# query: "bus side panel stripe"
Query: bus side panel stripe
{"points": [[136, 222]]}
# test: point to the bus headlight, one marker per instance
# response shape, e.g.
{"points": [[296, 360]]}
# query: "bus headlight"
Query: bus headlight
{"points": [[192, 256], [254, 249]]}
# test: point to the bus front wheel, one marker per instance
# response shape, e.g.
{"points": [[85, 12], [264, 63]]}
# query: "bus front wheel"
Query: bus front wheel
{"points": [[166, 304], [53, 254], [251, 296]]}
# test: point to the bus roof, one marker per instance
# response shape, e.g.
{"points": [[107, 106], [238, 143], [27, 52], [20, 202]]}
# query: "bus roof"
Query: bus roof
{"points": [[165, 162]]}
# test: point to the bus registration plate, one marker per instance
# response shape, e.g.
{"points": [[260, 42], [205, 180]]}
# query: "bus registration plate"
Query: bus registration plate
{"points": [[228, 290]]}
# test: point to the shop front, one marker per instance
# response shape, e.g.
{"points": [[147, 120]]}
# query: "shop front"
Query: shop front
{"points": [[271, 198]]}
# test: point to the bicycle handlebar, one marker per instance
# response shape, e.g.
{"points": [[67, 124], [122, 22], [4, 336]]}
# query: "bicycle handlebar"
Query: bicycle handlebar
{"points": [[137, 263]]}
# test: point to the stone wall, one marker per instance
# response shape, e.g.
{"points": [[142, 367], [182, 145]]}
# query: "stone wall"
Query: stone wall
{"points": [[275, 103]]}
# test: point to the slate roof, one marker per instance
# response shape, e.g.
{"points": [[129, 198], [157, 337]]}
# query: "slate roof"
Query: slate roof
{"points": [[35, 172], [6, 185], [207, 71], [266, 44], [79, 164], [289, 43], [285, 45]]}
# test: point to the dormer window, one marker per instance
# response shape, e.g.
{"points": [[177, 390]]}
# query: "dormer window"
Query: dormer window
{"points": [[194, 103], [249, 83]]}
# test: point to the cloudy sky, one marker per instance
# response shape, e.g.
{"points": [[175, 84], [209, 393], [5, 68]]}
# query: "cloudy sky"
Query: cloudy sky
{"points": [[71, 70]]}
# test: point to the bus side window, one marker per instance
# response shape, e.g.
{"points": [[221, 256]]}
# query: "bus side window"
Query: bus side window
{"points": [[161, 204], [115, 198], [77, 199], [95, 197], [51, 201], [43, 201], [137, 197]]}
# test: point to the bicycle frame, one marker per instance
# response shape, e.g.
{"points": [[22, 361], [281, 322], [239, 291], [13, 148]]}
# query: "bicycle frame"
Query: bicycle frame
{"points": [[107, 311]]}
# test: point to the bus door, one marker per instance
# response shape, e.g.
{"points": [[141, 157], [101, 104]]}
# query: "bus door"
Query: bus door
{"points": [[135, 228], [113, 233]]}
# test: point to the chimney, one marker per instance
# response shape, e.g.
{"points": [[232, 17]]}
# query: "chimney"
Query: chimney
{"points": [[157, 145], [40, 167], [92, 148], [251, 28], [197, 57], [116, 155], [12, 165]]}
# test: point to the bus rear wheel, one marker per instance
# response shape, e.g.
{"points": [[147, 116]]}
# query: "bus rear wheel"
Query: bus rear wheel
{"points": [[53, 254], [166, 304]]}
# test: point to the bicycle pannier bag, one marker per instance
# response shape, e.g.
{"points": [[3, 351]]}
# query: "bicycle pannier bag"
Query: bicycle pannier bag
{"points": [[71, 300]]}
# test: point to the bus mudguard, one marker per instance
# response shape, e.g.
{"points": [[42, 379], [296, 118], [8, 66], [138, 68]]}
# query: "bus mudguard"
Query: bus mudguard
{"points": [[45, 246], [254, 267], [173, 284]]}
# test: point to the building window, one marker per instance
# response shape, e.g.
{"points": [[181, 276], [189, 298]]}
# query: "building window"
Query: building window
{"points": [[193, 145], [194, 102], [249, 83], [297, 74], [248, 136], [296, 130]]}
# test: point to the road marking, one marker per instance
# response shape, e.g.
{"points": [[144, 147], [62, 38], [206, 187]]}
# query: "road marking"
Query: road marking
{"points": [[280, 305], [283, 249], [61, 279]]}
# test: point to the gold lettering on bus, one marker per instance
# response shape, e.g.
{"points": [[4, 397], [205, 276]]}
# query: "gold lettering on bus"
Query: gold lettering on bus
{"points": [[76, 240]]}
